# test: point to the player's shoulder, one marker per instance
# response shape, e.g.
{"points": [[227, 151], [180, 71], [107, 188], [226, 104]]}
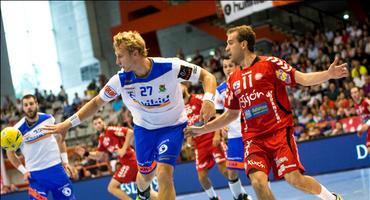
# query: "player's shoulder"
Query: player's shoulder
{"points": [[160, 60], [20, 123]]}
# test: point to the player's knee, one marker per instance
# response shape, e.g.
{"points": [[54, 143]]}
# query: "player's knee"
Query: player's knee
{"points": [[232, 175], [259, 181], [165, 176], [111, 188], [202, 176], [295, 179]]}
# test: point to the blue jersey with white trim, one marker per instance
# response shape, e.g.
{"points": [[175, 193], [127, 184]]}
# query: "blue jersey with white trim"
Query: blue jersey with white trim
{"points": [[234, 128], [40, 150], [156, 100]]}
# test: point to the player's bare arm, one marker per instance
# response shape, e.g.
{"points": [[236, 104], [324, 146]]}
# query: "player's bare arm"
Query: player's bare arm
{"points": [[223, 120], [86, 111], [13, 158], [209, 87], [335, 71], [64, 155]]}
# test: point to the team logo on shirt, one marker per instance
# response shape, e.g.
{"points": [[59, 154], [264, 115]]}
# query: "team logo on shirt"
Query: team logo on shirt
{"points": [[280, 74], [109, 92], [256, 111], [162, 88], [185, 72], [236, 85]]}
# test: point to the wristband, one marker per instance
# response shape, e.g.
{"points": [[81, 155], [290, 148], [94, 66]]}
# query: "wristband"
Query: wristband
{"points": [[22, 169], [75, 120], [64, 157], [209, 97]]}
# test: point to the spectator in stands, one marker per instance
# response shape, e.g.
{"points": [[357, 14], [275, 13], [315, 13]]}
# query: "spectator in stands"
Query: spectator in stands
{"points": [[92, 88], [62, 96], [333, 92], [198, 59], [338, 130]]}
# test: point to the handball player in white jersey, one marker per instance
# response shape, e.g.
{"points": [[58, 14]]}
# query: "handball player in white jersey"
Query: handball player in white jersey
{"points": [[150, 88]]}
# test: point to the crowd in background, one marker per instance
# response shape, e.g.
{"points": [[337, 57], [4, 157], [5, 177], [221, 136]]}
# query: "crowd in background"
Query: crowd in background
{"points": [[317, 109]]}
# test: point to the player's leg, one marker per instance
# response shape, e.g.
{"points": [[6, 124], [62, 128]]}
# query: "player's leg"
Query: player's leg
{"points": [[36, 190], [145, 143], [288, 165], [125, 174], [168, 145], [257, 168], [59, 183], [114, 189], [204, 161]]}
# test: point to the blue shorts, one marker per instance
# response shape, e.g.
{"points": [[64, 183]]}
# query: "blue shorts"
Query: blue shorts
{"points": [[53, 179], [235, 154], [159, 145]]}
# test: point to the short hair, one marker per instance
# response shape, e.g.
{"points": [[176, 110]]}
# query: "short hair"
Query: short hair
{"points": [[132, 41], [27, 96], [244, 33], [97, 117]]}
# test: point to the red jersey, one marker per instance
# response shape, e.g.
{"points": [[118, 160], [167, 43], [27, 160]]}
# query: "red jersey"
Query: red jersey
{"points": [[362, 109], [113, 139], [193, 108], [259, 91]]}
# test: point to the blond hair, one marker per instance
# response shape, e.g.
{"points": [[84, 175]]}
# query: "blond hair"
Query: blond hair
{"points": [[132, 41], [244, 33]]}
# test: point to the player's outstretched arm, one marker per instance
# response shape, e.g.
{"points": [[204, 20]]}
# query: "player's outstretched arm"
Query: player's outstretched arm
{"points": [[335, 71], [209, 86], [86, 111], [216, 124], [13, 158]]}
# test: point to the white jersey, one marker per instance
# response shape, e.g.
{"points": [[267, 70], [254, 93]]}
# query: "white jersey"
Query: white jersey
{"points": [[156, 100], [234, 128], [40, 151]]}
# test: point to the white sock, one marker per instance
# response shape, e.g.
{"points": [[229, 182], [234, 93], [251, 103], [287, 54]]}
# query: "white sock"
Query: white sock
{"points": [[211, 192], [325, 194], [236, 188]]}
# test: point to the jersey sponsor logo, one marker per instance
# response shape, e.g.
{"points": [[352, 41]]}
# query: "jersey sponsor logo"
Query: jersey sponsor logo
{"points": [[258, 164], [280, 74], [109, 92], [34, 136], [236, 85], [246, 99], [185, 72], [256, 111], [163, 148], [67, 191]]}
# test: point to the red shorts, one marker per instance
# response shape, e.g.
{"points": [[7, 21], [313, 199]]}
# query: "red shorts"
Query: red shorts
{"points": [[127, 173], [277, 151], [207, 156]]}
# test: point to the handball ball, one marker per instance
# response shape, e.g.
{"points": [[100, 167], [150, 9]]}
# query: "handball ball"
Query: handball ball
{"points": [[11, 139]]}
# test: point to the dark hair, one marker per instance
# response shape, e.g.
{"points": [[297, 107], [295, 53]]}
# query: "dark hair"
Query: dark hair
{"points": [[97, 117], [27, 96]]}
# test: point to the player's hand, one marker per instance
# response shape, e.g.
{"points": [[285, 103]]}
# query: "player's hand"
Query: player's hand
{"points": [[207, 111], [216, 139], [192, 131], [69, 170], [224, 132], [60, 128], [121, 152], [338, 71], [27, 176]]}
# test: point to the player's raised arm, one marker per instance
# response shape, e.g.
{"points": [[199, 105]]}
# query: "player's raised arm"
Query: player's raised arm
{"points": [[335, 71], [86, 111]]}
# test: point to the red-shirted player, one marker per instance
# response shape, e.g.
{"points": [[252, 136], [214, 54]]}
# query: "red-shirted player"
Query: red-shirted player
{"points": [[362, 106], [209, 148], [116, 140], [258, 91]]}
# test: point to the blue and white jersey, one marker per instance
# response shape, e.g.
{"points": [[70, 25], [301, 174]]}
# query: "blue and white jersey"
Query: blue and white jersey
{"points": [[40, 150], [156, 100], [234, 128]]}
